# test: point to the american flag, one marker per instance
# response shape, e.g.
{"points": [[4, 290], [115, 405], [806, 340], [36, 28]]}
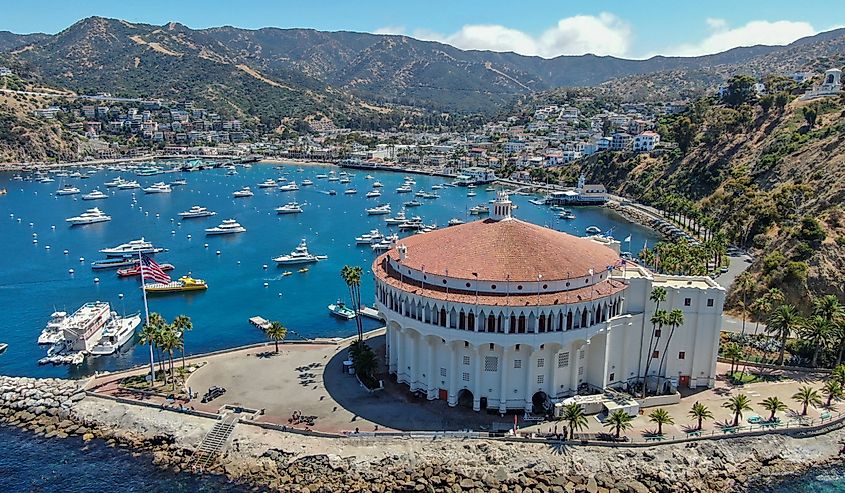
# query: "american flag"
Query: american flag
{"points": [[151, 270]]}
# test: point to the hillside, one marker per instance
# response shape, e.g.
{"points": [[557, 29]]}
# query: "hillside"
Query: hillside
{"points": [[270, 71], [24, 137]]}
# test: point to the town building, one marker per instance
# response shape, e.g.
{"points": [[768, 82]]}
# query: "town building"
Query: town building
{"points": [[502, 314], [646, 141]]}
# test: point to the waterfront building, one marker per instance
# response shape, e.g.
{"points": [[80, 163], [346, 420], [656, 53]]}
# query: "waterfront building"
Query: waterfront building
{"points": [[503, 314]]}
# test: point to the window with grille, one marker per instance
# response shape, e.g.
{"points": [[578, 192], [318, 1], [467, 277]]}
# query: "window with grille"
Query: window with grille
{"points": [[443, 372], [465, 377], [541, 362], [466, 360], [581, 354], [517, 363], [491, 363], [540, 378], [581, 371], [563, 360]]}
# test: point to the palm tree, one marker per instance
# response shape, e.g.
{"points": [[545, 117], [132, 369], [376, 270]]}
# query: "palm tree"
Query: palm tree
{"points": [[276, 332], [817, 331], [620, 420], [838, 374], [365, 362], [661, 417], [573, 415], [773, 405], [352, 277], [783, 320], [674, 319], [737, 405], [183, 324], [830, 309], [170, 342], [149, 336], [733, 352], [700, 412], [833, 390], [806, 396], [657, 296]]}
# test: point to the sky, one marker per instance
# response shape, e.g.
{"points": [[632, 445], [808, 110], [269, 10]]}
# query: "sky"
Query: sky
{"points": [[547, 28]]}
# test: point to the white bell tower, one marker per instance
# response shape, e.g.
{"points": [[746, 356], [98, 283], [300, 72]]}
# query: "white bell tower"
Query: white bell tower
{"points": [[502, 207]]}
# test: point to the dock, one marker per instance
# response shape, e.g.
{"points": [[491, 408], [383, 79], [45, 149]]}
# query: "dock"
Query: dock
{"points": [[369, 312], [260, 322]]}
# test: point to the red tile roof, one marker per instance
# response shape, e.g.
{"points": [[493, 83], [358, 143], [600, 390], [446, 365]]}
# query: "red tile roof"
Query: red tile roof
{"points": [[498, 250]]}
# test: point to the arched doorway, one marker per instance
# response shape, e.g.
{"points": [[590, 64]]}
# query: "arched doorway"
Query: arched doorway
{"points": [[465, 398], [540, 403]]}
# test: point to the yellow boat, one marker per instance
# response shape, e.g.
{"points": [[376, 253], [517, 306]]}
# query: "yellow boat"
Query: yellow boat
{"points": [[184, 283], [303, 270]]}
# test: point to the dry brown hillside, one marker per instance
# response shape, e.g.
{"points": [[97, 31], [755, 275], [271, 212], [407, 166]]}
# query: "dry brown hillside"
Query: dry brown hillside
{"points": [[24, 137]]}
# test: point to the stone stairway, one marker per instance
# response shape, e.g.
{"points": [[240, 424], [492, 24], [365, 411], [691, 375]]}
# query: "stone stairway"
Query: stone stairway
{"points": [[214, 442]]}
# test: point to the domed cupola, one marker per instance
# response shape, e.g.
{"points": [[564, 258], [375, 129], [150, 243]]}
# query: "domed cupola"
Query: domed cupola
{"points": [[502, 207]]}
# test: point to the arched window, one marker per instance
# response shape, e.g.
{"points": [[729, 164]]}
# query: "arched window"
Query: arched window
{"points": [[569, 321], [471, 321], [521, 324], [443, 317], [541, 323], [462, 323], [491, 323], [584, 318]]}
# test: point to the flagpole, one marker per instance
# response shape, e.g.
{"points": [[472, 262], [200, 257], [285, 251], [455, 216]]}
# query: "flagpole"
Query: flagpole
{"points": [[147, 314]]}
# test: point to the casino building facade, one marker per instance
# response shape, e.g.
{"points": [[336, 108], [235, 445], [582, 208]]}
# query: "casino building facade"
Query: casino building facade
{"points": [[500, 313]]}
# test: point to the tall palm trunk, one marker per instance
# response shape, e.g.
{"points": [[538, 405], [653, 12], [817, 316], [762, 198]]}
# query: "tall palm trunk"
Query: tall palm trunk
{"points": [[649, 358], [660, 369], [172, 376]]}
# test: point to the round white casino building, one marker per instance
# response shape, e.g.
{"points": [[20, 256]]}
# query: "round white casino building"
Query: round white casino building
{"points": [[504, 314]]}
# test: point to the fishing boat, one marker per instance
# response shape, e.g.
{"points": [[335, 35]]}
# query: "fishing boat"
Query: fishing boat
{"points": [[128, 185], [134, 247], [90, 216], [95, 195], [67, 190], [268, 183], [413, 203], [115, 262], [369, 238], [227, 227], [300, 255], [289, 208], [373, 193], [184, 283], [350, 191], [378, 210], [118, 331], [593, 230], [53, 332], [340, 310], [290, 187], [135, 270], [243, 192], [196, 211], [159, 187]]}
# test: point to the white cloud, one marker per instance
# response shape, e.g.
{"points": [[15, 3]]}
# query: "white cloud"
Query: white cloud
{"points": [[604, 34], [723, 37]]}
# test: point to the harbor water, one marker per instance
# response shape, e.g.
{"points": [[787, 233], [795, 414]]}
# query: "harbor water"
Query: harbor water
{"points": [[35, 278]]}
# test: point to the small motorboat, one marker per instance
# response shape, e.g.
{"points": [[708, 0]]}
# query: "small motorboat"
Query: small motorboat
{"points": [[3, 347], [593, 230], [340, 310]]}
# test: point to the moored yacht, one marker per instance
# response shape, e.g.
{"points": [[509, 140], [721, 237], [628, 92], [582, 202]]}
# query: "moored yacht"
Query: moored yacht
{"points": [[377, 184], [479, 209], [399, 218], [90, 216], [54, 331], [118, 331], [307, 183], [196, 211], [289, 208], [374, 236], [133, 247], [128, 185], [243, 192], [350, 191], [159, 187], [385, 244], [593, 230], [228, 226], [413, 203], [299, 256], [455, 221], [96, 194], [379, 210], [290, 187], [373, 193], [268, 183], [67, 190], [404, 189]]}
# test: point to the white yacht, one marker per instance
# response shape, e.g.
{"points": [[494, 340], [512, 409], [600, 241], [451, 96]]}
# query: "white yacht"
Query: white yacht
{"points": [[455, 221], [479, 209], [568, 215], [95, 195], [159, 187], [399, 218], [334, 178], [307, 183], [54, 331], [84, 328], [129, 185], [290, 187], [323, 176], [299, 256], [373, 193], [350, 191], [228, 226], [385, 244], [413, 203], [289, 208], [90, 216], [437, 187], [268, 183], [118, 331], [196, 211], [368, 177], [243, 192], [67, 190], [374, 236], [134, 247], [379, 210], [115, 183], [179, 182], [404, 189], [593, 230], [377, 184]]}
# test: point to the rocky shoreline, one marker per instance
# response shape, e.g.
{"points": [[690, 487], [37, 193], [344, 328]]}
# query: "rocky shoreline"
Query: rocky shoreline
{"points": [[281, 461]]}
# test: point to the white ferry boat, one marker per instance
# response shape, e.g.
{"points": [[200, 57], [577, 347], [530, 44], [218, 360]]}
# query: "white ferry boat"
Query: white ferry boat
{"points": [[54, 331], [95, 195], [268, 183], [90, 216], [228, 226], [159, 187], [374, 236], [117, 332], [299, 256], [84, 329], [196, 211], [290, 187], [129, 185], [67, 190], [379, 210], [243, 192], [134, 247], [289, 208]]}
